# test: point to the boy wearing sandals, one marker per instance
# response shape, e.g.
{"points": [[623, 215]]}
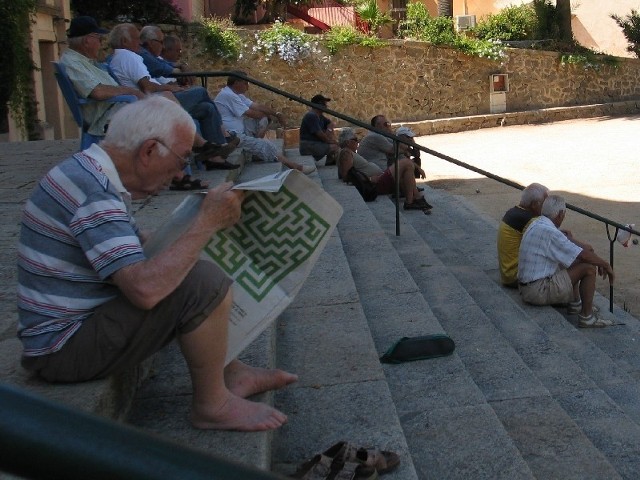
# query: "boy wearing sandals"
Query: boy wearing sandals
{"points": [[554, 269]]}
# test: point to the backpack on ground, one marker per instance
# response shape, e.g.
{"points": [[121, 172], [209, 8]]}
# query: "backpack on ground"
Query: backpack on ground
{"points": [[366, 187]]}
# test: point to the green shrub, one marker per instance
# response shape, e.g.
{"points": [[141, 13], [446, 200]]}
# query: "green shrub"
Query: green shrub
{"points": [[285, 41], [631, 30], [218, 38], [342, 36], [420, 25], [371, 13], [511, 23]]}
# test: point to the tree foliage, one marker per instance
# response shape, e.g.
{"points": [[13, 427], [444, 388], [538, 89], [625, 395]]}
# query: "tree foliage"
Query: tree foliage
{"points": [[15, 58], [138, 11], [631, 30], [517, 22]]}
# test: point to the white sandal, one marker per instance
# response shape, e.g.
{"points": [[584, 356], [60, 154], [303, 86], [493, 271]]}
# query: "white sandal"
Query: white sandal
{"points": [[594, 321], [576, 307]]}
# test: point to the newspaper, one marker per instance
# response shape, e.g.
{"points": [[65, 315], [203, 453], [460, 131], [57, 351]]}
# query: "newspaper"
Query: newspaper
{"points": [[286, 222]]}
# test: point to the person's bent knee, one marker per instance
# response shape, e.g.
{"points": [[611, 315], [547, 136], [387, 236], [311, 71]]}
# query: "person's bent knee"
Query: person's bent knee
{"points": [[209, 285], [581, 271]]}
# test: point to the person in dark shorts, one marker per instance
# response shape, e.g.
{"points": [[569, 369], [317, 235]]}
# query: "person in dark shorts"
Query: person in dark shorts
{"points": [[383, 179], [317, 137], [91, 303]]}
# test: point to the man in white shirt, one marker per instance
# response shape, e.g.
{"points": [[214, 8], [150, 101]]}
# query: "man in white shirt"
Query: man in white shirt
{"points": [[235, 107], [553, 269]]}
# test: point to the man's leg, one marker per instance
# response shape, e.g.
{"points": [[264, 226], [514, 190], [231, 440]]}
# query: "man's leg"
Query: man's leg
{"points": [[265, 150], [256, 127], [584, 275], [407, 180], [219, 405], [210, 122]]}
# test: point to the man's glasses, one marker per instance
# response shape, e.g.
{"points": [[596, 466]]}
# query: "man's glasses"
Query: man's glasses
{"points": [[155, 40], [182, 162]]}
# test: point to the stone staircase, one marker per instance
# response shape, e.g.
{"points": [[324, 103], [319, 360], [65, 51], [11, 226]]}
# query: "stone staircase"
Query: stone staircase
{"points": [[525, 395]]}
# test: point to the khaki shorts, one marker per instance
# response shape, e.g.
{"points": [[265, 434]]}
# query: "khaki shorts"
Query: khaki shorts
{"points": [[119, 335], [548, 291]]}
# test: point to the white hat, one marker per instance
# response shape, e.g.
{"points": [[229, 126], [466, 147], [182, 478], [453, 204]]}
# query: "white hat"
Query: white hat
{"points": [[405, 131]]}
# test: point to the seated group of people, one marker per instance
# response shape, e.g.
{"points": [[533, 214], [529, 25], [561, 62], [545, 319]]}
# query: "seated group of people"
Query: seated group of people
{"points": [[548, 265], [141, 64], [318, 139]]}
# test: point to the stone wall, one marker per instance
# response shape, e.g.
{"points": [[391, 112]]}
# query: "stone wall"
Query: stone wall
{"points": [[413, 81]]}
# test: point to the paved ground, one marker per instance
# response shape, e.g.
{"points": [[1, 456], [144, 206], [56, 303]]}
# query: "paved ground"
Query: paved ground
{"points": [[593, 163]]}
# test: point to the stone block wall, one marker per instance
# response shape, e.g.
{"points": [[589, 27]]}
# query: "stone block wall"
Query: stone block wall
{"points": [[414, 81]]}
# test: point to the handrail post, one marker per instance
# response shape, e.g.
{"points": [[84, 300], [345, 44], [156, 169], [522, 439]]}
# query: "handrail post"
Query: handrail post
{"points": [[611, 244], [396, 149], [611, 284]]}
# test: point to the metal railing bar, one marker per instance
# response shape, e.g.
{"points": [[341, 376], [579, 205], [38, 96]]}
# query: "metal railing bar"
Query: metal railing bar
{"points": [[396, 140], [43, 440]]}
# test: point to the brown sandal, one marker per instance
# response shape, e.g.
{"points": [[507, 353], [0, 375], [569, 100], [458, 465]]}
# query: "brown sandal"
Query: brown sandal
{"points": [[382, 460], [334, 463]]}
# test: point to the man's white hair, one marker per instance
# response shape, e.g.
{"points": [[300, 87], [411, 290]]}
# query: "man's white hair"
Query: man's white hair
{"points": [[120, 32], [533, 193], [553, 205], [153, 117], [150, 32], [346, 134]]}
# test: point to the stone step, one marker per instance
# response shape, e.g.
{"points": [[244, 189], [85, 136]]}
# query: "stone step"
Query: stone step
{"points": [[435, 398], [584, 384], [510, 388]]}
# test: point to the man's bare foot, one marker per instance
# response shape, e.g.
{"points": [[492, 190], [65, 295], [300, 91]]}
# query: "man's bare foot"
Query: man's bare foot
{"points": [[237, 414], [245, 380]]}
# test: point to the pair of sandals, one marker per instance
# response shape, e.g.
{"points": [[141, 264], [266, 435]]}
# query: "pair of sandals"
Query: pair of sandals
{"points": [[344, 461], [419, 204]]}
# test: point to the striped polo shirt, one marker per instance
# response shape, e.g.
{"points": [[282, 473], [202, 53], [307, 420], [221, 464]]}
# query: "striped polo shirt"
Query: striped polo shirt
{"points": [[76, 232]]}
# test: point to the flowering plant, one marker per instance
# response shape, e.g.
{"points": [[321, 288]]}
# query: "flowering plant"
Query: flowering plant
{"points": [[289, 43], [490, 49]]}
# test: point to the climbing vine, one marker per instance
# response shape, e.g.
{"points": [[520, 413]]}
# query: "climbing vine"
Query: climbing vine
{"points": [[17, 66]]}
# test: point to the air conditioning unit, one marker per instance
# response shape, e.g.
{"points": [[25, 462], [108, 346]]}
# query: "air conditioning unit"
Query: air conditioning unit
{"points": [[465, 22]]}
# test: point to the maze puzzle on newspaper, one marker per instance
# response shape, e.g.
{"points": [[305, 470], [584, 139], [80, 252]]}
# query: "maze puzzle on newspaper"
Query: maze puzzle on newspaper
{"points": [[278, 232]]}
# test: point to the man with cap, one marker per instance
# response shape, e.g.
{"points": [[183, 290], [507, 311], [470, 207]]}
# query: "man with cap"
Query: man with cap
{"points": [[89, 79], [408, 151], [316, 133]]}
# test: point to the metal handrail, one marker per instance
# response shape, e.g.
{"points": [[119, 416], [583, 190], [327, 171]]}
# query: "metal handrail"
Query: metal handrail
{"points": [[43, 440], [397, 140]]}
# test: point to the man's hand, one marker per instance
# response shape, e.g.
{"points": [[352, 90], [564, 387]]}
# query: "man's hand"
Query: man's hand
{"points": [[606, 271], [172, 87], [421, 172], [282, 120], [221, 207]]}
